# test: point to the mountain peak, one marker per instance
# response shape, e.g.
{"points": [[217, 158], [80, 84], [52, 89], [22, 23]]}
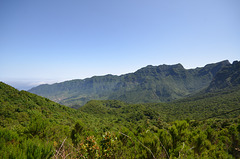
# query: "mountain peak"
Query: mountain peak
{"points": [[224, 62], [228, 77]]}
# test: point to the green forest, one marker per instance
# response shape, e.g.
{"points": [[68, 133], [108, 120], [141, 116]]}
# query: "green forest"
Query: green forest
{"points": [[206, 125]]}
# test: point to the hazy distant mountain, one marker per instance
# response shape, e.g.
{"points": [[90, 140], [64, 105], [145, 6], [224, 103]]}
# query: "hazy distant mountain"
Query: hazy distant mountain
{"points": [[149, 84]]}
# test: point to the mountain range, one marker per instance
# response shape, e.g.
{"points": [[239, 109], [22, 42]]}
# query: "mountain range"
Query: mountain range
{"points": [[203, 125], [161, 83]]}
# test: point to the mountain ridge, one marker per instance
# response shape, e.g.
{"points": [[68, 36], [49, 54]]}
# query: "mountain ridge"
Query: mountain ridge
{"points": [[228, 77], [148, 84]]}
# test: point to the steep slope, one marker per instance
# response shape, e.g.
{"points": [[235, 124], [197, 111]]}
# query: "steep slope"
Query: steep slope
{"points": [[227, 78], [149, 84]]}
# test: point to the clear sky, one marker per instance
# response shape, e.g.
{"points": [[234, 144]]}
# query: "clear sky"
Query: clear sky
{"points": [[46, 41]]}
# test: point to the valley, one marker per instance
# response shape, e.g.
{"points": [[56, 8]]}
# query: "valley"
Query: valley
{"points": [[203, 124]]}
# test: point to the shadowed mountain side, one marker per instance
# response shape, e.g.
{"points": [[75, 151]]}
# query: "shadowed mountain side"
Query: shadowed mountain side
{"points": [[228, 77], [149, 84]]}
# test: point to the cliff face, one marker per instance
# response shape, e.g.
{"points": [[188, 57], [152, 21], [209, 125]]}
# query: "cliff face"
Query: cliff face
{"points": [[228, 77], [149, 84]]}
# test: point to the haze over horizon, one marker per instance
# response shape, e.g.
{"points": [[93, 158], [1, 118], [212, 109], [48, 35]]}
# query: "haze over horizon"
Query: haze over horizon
{"points": [[52, 41]]}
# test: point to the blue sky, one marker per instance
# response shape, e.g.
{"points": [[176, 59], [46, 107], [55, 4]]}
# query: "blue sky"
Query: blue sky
{"points": [[46, 41]]}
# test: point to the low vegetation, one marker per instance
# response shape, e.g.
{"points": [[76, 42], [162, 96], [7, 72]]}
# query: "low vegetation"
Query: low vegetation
{"points": [[204, 126]]}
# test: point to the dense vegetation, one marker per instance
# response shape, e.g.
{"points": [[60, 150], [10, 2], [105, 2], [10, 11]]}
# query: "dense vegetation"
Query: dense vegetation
{"points": [[35, 127], [150, 84]]}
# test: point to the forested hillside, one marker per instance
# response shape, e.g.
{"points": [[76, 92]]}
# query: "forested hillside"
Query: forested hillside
{"points": [[149, 84], [204, 126]]}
